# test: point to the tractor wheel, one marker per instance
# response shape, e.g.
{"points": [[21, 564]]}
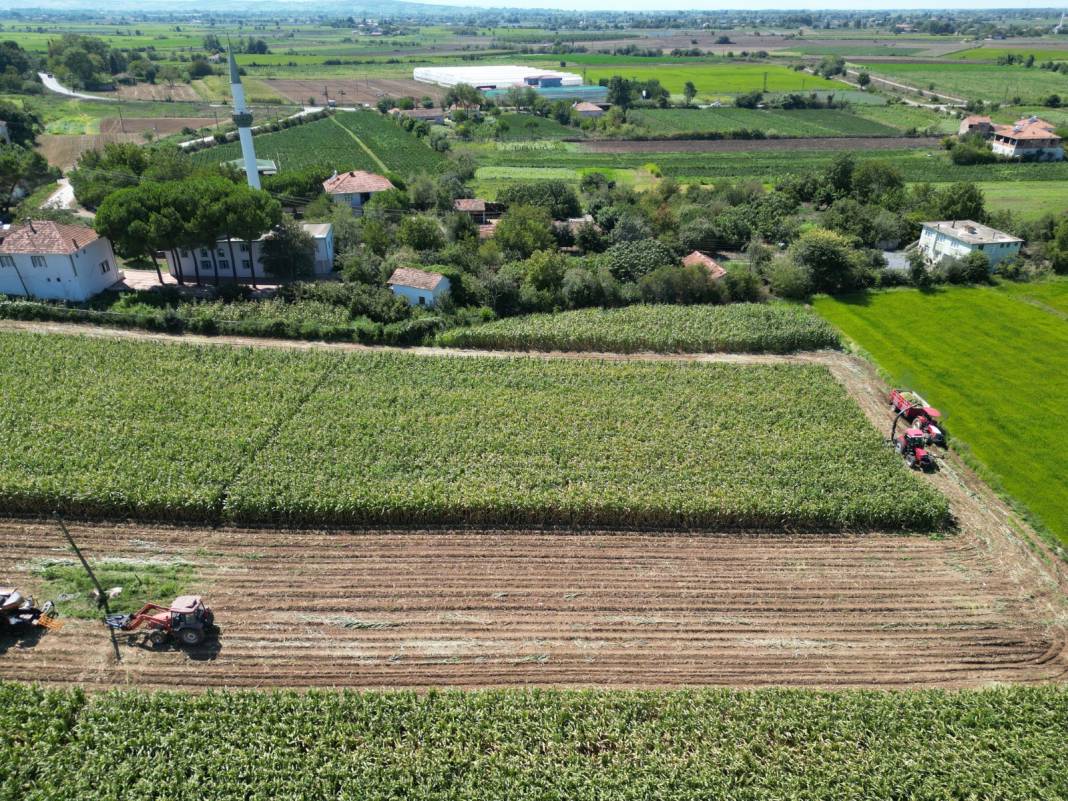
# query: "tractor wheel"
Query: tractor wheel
{"points": [[191, 636], [158, 638]]}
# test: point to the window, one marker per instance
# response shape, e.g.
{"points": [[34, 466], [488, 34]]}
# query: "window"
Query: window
{"points": [[38, 261], [185, 254], [7, 261], [246, 264], [203, 251], [205, 265], [243, 247], [224, 264], [220, 252], [422, 301], [105, 267]]}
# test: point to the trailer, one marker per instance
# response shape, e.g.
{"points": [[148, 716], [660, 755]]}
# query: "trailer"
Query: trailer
{"points": [[922, 415]]}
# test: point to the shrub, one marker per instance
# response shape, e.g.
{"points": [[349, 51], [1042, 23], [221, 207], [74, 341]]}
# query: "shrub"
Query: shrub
{"points": [[629, 261]]}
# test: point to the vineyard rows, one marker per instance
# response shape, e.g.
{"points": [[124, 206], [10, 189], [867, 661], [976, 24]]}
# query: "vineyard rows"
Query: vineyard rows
{"points": [[178, 432], [1004, 743], [736, 328], [774, 122]]}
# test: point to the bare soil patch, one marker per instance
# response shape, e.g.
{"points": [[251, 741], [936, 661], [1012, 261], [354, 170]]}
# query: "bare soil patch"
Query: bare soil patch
{"points": [[156, 91], [161, 125], [62, 150], [759, 145], [350, 91]]}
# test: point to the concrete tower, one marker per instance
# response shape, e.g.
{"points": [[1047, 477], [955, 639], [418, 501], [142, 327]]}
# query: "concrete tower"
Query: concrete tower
{"points": [[243, 121]]}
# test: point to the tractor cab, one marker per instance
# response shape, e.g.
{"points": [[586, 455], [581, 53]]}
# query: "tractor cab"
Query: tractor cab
{"points": [[911, 446], [188, 614]]}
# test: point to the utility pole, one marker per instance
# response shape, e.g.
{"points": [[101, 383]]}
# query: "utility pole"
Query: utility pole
{"points": [[122, 122]]}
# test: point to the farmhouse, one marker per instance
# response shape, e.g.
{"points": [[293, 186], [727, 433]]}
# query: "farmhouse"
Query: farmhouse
{"points": [[238, 260], [1029, 138], [955, 239], [481, 211], [588, 110], [51, 261], [355, 187], [715, 270], [976, 123], [418, 287]]}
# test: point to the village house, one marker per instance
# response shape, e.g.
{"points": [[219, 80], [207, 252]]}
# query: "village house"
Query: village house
{"points": [[52, 261], [246, 261], [955, 239], [588, 110], [481, 211], [715, 270], [976, 123], [1029, 138], [418, 287], [355, 187]]}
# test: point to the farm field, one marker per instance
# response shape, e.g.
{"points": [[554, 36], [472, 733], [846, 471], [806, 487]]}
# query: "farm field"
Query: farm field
{"points": [[1041, 53], [717, 80], [801, 122], [498, 438], [591, 745], [1027, 199], [976, 81], [353, 90], [901, 116], [737, 328], [484, 608], [1004, 390], [530, 127]]}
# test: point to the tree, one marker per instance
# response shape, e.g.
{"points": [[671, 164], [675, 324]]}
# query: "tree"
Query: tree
{"points": [[250, 212], [125, 218], [619, 92], [522, 230], [23, 124], [863, 79], [420, 232], [828, 259], [558, 198], [289, 252], [961, 201], [629, 261], [19, 166], [689, 91]]}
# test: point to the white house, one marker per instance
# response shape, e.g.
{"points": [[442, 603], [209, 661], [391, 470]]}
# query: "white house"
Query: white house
{"points": [[198, 264], [1029, 138], [418, 287], [957, 238], [51, 261], [355, 187]]}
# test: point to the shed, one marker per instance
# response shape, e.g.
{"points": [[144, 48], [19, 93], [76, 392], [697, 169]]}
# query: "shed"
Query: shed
{"points": [[715, 270], [418, 287]]}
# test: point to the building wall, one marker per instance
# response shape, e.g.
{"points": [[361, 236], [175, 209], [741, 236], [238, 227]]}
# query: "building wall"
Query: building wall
{"points": [[421, 297], [1012, 150], [75, 277], [189, 260], [355, 200], [937, 246]]}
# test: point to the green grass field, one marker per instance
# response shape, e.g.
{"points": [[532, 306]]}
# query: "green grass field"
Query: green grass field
{"points": [[527, 126], [898, 115], [773, 122], [1027, 199], [993, 53], [717, 80], [257, 435], [686, 745], [993, 360], [976, 81]]}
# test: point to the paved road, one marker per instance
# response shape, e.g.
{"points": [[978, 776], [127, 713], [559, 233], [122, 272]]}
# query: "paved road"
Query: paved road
{"points": [[55, 86], [62, 198], [256, 128]]}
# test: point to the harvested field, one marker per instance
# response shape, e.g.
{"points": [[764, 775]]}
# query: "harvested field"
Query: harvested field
{"points": [[420, 609], [155, 91], [351, 91], [759, 145], [61, 150], [161, 125]]}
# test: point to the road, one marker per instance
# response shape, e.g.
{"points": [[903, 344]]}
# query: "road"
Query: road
{"points": [[256, 128], [55, 86]]}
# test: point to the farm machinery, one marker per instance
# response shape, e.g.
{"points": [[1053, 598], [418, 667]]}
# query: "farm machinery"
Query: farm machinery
{"points": [[920, 413], [911, 445], [19, 613], [186, 620]]}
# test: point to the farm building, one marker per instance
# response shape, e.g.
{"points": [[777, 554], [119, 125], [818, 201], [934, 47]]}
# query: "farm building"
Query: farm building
{"points": [[434, 115], [954, 239], [503, 77], [246, 262], [976, 123], [355, 187], [715, 270], [588, 110], [418, 287], [263, 166], [1029, 138], [52, 261], [481, 211]]}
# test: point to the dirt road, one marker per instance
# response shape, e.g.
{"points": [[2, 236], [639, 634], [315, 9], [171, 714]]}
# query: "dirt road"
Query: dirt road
{"points": [[986, 603]]}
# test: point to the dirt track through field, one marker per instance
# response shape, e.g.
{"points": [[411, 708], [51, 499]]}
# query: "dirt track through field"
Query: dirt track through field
{"points": [[984, 604]]}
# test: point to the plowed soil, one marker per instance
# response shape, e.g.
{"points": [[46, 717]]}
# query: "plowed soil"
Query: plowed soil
{"points": [[350, 92], [161, 125], [982, 604]]}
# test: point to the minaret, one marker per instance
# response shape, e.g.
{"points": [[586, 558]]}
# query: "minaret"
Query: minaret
{"points": [[243, 121]]}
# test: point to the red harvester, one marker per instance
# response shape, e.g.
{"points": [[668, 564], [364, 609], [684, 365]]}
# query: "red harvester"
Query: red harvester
{"points": [[187, 620], [911, 446], [921, 414]]}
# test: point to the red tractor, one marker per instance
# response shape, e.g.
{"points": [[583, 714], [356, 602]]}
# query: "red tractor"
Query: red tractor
{"points": [[187, 620], [921, 414], [911, 446]]}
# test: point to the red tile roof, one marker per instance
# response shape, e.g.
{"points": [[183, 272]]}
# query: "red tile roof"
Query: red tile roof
{"points": [[487, 230], [469, 204], [587, 106], [46, 237], [355, 182], [1027, 129], [976, 119], [710, 264], [418, 279]]}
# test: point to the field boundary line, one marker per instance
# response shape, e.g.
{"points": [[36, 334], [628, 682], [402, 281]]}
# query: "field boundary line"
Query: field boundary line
{"points": [[360, 142]]}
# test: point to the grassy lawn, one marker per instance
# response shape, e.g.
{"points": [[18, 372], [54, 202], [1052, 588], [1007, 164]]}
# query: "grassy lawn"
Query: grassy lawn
{"points": [[993, 360]]}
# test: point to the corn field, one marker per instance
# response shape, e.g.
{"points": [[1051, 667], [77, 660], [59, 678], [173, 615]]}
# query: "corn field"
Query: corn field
{"points": [[175, 432], [1008, 744], [736, 328]]}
